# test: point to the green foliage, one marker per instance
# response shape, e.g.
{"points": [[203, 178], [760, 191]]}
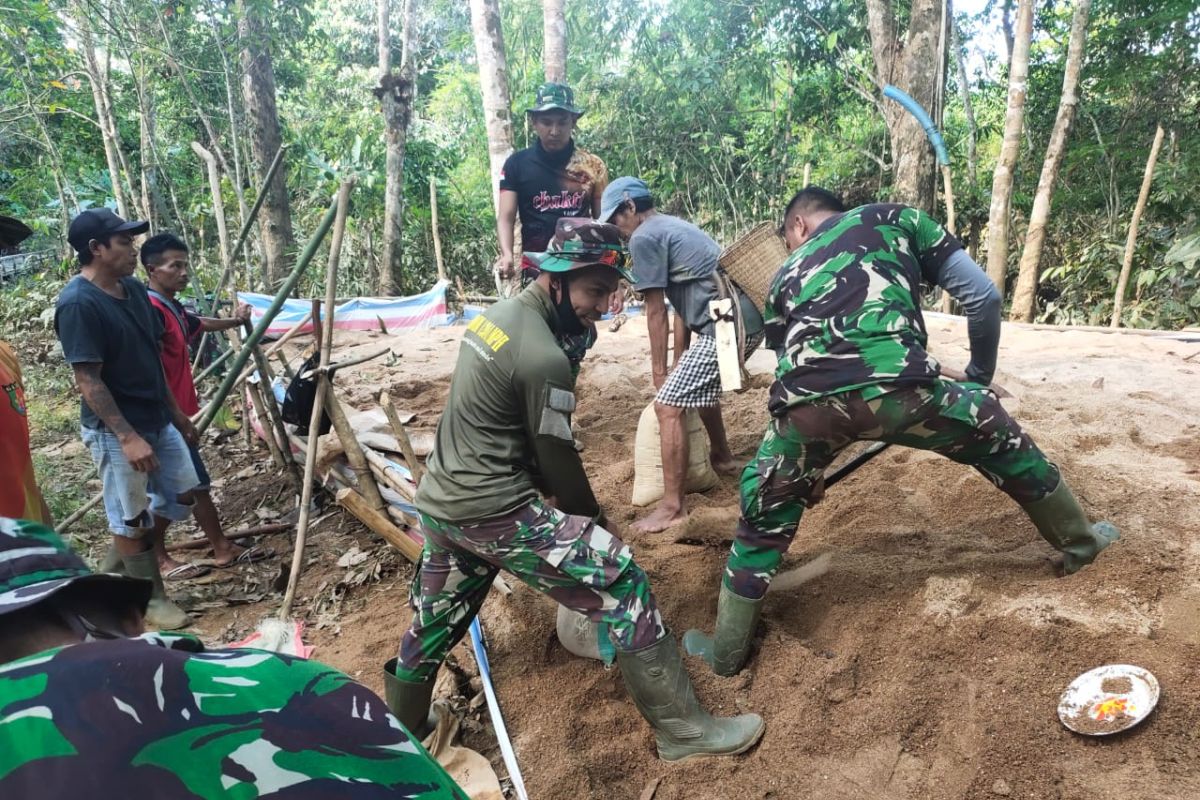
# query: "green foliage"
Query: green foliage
{"points": [[719, 106]]}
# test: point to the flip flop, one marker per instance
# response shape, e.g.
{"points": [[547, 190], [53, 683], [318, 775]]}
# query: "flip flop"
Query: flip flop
{"points": [[185, 572], [250, 555]]}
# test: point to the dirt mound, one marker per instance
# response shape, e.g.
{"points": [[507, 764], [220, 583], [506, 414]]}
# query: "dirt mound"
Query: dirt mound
{"points": [[921, 651]]}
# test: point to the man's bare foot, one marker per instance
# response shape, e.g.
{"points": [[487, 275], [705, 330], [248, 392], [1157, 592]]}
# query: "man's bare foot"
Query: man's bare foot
{"points": [[724, 465], [236, 554], [660, 519]]}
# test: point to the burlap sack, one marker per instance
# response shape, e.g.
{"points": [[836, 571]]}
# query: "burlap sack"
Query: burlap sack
{"points": [[647, 458]]}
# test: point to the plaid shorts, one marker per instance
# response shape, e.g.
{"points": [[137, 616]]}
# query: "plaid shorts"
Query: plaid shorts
{"points": [[696, 380]]}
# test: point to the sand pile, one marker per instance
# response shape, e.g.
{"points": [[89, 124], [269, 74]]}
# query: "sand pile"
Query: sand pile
{"points": [[924, 654]]}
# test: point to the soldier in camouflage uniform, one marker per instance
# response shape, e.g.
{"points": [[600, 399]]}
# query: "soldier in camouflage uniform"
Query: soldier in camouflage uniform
{"points": [[504, 442], [88, 708], [844, 316]]}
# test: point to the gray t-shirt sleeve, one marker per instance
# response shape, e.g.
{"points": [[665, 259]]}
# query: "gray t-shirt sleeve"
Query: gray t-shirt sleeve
{"points": [[650, 262], [969, 285], [81, 333]]}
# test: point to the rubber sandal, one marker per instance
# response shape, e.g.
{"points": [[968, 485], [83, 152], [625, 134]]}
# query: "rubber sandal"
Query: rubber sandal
{"points": [[250, 555], [185, 572]]}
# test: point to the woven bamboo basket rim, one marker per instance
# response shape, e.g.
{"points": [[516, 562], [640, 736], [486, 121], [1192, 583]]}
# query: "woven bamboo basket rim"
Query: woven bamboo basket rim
{"points": [[753, 260]]}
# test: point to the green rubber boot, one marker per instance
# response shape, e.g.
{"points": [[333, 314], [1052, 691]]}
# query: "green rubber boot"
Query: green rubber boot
{"points": [[409, 701], [161, 614], [1063, 524], [729, 646], [663, 692], [113, 562]]}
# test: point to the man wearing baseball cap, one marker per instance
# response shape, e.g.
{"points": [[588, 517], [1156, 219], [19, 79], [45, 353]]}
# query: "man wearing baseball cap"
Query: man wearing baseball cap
{"points": [[135, 430], [505, 489], [91, 706], [675, 261]]}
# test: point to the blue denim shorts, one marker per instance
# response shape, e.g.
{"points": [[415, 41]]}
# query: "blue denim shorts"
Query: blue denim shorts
{"points": [[132, 498]]}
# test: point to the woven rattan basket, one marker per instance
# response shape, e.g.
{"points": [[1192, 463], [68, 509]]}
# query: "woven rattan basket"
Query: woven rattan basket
{"points": [[753, 260]]}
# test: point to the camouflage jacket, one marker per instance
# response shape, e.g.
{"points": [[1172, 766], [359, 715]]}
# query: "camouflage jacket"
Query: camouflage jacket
{"points": [[844, 311], [160, 717]]}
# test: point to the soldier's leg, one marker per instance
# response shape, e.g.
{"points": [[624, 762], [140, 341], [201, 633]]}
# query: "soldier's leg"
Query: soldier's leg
{"points": [[966, 423], [592, 572], [776, 486], [446, 594]]}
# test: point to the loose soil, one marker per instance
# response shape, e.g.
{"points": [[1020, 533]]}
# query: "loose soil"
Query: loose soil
{"points": [[922, 655]]}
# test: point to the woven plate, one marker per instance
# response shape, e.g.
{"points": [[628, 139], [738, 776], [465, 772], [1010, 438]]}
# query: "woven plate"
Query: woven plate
{"points": [[753, 260]]}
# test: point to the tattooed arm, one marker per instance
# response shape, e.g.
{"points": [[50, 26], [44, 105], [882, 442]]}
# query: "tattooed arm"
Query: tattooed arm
{"points": [[100, 400]]}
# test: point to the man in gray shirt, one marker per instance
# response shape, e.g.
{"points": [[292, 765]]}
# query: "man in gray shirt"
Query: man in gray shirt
{"points": [[676, 262]]}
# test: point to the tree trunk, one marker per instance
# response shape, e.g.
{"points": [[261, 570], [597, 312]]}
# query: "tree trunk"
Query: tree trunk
{"points": [[1010, 148], [493, 79], [968, 109], [554, 49], [258, 91], [1006, 25], [1131, 239], [1027, 278], [108, 132], [911, 65], [395, 99]]}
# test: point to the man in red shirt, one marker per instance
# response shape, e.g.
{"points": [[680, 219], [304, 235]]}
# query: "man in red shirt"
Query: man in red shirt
{"points": [[19, 494], [165, 258]]}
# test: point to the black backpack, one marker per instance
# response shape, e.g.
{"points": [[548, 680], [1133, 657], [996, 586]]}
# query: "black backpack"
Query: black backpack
{"points": [[300, 396]]}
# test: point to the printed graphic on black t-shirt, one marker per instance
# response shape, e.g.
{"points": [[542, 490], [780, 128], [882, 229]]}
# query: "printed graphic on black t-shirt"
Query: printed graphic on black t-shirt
{"points": [[550, 186]]}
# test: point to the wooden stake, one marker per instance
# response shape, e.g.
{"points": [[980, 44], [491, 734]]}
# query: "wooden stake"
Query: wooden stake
{"points": [[410, 455], [1131, 239], [353, 502], [807, 173], [314, 420], [437, 239], [384, 469]]}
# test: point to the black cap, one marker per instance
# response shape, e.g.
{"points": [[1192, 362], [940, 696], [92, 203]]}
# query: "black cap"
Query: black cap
{"points": [[99, 222]]}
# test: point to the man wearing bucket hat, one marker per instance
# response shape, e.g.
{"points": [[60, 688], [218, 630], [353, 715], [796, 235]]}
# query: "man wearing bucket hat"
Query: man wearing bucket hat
{"points": [[554, 178], [676, 261], [844, 316], [138, 436], [503, 444], [89, 704]]}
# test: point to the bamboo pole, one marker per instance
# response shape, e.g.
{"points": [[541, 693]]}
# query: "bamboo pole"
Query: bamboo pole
{"points": [[410, 455], [1131, 239], [245, 232], [289, 284], [266, 394], [382, 467], [341, 209], [437, 239], [357, 505]]}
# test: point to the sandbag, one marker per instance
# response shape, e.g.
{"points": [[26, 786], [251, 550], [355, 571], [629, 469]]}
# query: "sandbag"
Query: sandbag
{"points": [[647, 458]]}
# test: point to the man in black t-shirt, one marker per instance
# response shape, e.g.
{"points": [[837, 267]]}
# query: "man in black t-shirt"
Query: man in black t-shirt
{"points": [[130, 421], [553, 179]]}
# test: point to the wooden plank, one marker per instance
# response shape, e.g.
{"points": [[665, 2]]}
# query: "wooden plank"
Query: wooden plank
{"points": [[728, 363], [354, 502]]}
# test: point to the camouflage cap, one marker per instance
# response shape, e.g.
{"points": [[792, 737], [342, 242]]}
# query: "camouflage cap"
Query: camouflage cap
{"points": [[555, 97], [35, 563], [580, 242]]}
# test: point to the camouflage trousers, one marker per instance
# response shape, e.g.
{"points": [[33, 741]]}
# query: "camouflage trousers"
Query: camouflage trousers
{"points": [[962, 421], [570, 559]]}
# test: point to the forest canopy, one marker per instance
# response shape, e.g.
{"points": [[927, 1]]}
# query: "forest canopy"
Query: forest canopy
{"points": [[723, 108]]}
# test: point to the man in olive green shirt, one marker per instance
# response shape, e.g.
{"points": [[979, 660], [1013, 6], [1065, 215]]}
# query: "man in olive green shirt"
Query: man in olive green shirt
{"points": [[504, 442]]}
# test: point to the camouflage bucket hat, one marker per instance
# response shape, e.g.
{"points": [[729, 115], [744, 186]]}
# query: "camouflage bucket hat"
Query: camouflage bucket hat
{"points": [[580, 243], [555, 97], [35, 563]]}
